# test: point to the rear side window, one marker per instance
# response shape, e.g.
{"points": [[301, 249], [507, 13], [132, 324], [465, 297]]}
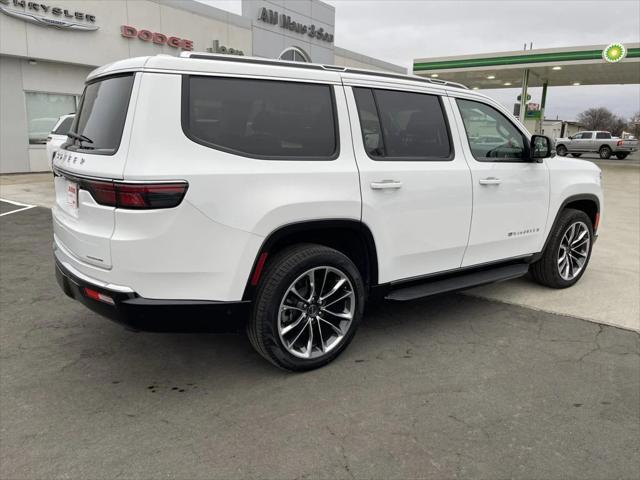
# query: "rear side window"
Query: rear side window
{"points": [[604, 135], [101, 116], [261, 118], [64, 126], [403, 125]]}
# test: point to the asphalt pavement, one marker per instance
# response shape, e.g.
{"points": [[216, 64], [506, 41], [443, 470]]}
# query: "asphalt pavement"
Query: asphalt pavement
{"points": [[449, 387]]}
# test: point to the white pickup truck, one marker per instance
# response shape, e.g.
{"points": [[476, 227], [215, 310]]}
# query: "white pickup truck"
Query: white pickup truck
{"points": [[599, 142]]}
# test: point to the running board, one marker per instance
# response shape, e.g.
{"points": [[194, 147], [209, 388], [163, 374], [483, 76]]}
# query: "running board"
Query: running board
{"points": [[459, 282]]}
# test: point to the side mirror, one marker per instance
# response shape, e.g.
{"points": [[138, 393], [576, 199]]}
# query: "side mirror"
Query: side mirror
{"points": [[540, 148]]}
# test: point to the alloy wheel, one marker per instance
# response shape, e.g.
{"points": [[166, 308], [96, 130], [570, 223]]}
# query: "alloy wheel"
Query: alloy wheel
{"points": [[573, 251], [316, 312]]}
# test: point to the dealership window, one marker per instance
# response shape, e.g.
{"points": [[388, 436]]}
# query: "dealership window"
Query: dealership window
{"points": [[295, 54], [261, 118], [43, 111]]}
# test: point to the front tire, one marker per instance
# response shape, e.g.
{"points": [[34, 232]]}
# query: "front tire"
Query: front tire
{"points": [[568, 251], [605, 152], [307, 309]]}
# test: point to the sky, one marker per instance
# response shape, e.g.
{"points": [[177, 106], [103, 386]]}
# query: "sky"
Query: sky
{"points": [[398, 31]]}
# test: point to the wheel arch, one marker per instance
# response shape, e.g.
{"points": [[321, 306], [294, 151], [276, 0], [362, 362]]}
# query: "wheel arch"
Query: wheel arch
{"points": [[587, 203], [350, 237]]}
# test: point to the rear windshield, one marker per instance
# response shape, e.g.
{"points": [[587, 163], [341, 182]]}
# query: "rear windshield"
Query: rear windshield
{"points": [[100, 119], [64, 126]]}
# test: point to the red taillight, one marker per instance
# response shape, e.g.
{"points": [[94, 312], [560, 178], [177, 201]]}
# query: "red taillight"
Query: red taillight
{"points": [[596, 223], [136, 195], [620, 142], [100, 297]]}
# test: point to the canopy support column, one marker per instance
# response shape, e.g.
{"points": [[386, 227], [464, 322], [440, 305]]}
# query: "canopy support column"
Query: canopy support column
{"points": [[543, 102], [523, 95]]}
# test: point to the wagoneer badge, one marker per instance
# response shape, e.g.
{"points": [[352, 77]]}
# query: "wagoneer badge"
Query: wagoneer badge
{"points": [[53, 16]]}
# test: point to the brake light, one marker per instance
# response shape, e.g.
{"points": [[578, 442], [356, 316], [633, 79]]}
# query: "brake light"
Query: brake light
{"points": [[138, 196], [620, 142]]}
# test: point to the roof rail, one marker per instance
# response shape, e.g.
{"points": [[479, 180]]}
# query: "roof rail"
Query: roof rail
{"points": [[317, 66]]}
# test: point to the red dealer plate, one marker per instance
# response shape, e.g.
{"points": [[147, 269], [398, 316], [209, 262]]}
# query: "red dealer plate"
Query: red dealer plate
{"points": [[72, 197]]}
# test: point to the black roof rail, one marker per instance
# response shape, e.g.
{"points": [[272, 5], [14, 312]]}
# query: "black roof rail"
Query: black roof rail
{"points": [[317, 66]]}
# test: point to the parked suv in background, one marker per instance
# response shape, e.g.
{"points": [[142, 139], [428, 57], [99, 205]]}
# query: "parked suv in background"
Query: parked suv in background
{"points": [[58, 136], [600, 142], [292, 193]]}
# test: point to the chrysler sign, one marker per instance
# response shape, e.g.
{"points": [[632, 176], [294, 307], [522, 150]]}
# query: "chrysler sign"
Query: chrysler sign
{"points": [[48, 15]]}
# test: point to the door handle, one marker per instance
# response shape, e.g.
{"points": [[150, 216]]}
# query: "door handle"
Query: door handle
{"points": [[386, 185], [490, 181]]}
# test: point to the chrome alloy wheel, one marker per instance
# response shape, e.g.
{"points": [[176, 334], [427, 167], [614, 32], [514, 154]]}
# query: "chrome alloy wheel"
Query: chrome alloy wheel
{"points": [[574, 250], [316, 312]]}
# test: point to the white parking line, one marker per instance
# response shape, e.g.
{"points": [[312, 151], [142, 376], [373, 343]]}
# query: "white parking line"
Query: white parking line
{"points": [[19, 204]]}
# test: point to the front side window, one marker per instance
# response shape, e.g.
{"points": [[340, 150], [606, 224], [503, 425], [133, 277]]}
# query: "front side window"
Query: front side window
{"points": [[43, 112], [402, 125], [100, 119], [261, 118], [492, 137]]}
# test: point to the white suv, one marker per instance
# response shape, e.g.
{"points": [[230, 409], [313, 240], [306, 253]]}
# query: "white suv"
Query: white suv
{"points": [[288, 194]]}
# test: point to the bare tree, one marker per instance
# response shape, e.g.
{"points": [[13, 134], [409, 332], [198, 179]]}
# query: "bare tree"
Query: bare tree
{"points": [[601, 118]]}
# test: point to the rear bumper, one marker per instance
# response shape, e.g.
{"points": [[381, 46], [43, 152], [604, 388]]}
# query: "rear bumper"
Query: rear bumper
{"points": [[138, 313]]}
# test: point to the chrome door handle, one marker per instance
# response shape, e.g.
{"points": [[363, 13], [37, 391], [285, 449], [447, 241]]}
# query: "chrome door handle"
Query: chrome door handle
{"points": [[386, 185], [490, 181]]}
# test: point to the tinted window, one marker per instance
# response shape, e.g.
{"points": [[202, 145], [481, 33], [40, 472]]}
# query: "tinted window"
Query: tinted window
{"points": [[64, 126], [261, 118], [603, 135], [369, 123], [402, 125], [492, 137], [585, 135], [102, 113]]}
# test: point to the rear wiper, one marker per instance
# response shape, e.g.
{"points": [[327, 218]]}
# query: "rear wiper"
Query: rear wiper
{"points": [[77, 136]]}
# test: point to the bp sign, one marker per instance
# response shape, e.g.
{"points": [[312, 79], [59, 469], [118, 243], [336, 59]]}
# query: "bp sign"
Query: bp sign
{"points": [[614, 53]]}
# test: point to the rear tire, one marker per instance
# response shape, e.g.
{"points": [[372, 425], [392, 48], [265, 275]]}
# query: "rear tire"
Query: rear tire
{"points": [[621, 156], [297, 323], [568, 251], [561, 150], [605, 152]]}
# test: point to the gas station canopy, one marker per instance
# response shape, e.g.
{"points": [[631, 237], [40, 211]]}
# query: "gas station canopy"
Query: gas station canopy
{"points": [[585, 65]]}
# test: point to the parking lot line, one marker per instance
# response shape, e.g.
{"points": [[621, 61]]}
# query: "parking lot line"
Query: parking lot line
{"points": [[23, 207]]}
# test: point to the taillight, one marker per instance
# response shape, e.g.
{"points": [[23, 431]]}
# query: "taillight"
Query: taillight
{"points": [[140, 196], [620, 142]]}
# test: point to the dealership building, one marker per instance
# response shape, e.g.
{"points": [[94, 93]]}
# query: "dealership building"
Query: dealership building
{"points": [[47, 49]]}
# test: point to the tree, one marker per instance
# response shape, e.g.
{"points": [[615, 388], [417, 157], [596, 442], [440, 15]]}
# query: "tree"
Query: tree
{"points": [[601, 118]]}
